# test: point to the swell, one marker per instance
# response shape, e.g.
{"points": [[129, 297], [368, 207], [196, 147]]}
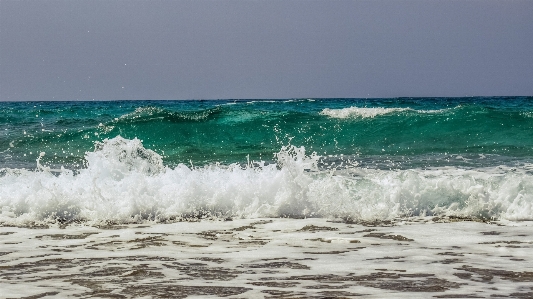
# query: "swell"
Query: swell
{"points": [[156, 114], [462, 129]]}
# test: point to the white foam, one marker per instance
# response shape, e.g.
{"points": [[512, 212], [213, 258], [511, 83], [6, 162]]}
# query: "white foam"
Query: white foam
{"points": [[406, 260], [124, 182], [527, 114], [140, 112], [353, 112]]}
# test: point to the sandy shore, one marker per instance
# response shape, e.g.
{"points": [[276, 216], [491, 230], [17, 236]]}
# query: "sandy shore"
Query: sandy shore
{"points": [[269, 258]]}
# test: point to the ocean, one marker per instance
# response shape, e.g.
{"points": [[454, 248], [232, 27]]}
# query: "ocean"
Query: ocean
{"points": [[354, 159], [295, 198]]}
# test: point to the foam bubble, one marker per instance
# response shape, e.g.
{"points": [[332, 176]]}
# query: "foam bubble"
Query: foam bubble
{"points": [[124, 182]]}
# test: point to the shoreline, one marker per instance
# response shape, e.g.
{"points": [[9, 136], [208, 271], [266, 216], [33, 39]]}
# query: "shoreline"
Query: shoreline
{"points": [[270, 258]]}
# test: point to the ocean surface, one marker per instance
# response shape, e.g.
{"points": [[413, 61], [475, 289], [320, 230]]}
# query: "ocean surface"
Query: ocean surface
{"points": [[349, 159]]}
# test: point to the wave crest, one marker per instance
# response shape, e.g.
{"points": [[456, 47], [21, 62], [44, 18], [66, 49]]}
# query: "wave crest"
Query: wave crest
{"points": [[353, 112], [124, 155], [146, 114]]}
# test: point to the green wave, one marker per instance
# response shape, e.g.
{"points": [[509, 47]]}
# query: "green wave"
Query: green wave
{"points": [[203, 132]]}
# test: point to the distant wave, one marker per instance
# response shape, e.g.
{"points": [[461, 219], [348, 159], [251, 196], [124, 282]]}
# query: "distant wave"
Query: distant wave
{"points": [[352, 112], [281, 101], [143, 114], [124, 182]]}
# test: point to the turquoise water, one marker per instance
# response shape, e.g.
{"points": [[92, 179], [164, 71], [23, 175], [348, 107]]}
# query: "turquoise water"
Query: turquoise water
{"points": [[421, 132], [358, 159]]}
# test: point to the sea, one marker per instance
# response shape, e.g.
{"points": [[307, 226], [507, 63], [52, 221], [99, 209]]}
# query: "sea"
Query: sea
{"points": [[294, 198], [351, 159]]}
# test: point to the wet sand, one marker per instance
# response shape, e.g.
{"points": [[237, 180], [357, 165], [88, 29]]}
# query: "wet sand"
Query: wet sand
{"points": [[269, 258]]}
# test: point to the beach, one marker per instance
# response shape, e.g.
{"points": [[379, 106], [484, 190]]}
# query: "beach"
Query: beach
{"points": [[270, 258], [266, 149]]}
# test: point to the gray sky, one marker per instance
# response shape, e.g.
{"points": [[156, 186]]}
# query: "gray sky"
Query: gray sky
{"points": [[213, 49]]}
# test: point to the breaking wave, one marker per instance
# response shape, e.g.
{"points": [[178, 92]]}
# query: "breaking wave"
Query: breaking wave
{"points": [[352, 112], [124, 182]]}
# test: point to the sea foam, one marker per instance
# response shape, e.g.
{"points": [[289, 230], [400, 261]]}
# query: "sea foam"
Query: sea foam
{"points": [[124, 182], [370, 112]]}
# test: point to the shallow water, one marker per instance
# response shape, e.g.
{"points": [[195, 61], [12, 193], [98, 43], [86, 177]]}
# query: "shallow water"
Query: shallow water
{"points": [[270, 258]]}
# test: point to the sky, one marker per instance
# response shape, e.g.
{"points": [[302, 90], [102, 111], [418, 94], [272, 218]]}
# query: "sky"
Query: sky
{"points": [[231, 49]]}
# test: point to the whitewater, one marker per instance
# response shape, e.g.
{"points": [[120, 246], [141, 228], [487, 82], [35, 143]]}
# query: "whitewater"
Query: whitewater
{"points": [[127, 183]]}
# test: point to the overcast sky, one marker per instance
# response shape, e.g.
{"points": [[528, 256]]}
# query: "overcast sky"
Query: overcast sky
{"points": [[214, 49]]}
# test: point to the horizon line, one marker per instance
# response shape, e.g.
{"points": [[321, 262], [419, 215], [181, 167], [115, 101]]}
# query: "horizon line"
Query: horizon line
{"points": [[265, 99]]}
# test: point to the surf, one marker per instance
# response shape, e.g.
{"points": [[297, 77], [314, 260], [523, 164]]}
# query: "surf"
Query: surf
{"points": [[123, 182]]}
